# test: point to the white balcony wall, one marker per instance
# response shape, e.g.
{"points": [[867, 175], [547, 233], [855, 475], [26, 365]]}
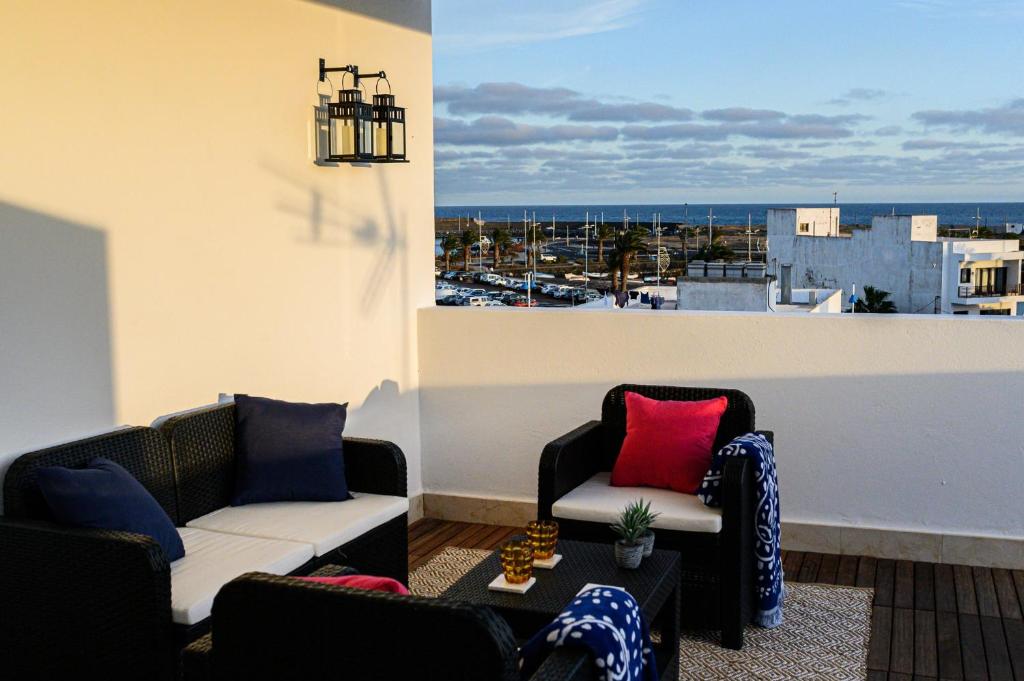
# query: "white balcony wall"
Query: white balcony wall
{"points": [[165, 235], [904, 422]]}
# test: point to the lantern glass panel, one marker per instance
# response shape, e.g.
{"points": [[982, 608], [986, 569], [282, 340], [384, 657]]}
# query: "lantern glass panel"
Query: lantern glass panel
{"points": [[397, 139], [343, 134], [366, 138]]}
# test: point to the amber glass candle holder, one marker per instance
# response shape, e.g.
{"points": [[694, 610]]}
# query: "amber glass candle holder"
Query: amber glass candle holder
{"points": [[543, 536], [517, 561]]}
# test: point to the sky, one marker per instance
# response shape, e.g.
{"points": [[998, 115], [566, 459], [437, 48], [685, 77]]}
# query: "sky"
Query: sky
{"points": [[728, 101]]}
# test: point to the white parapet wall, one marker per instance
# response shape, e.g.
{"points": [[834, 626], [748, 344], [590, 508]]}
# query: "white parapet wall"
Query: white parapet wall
{"points": [[877, 418]]}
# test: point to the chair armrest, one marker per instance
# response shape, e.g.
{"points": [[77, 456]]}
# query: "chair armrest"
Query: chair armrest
{"points": [[197, 660], [332, 570], [768, 435], [566, 463], [375, 467], [84, 603], [566, 664], [737, 549]]}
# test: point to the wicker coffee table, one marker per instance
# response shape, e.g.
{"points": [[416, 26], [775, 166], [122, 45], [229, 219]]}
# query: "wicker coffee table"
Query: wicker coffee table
{"points": [[654, 585]]}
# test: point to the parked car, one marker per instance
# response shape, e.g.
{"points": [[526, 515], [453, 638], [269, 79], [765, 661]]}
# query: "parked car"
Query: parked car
{"points": [[523, 301], [548, 257], [548, 288], [494, 303]]}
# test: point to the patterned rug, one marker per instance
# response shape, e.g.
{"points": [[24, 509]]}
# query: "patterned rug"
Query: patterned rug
{"points": [[825, 635]]}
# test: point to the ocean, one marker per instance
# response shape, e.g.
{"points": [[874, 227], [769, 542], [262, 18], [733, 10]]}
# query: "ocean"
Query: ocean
{"points": [[950, 214]]}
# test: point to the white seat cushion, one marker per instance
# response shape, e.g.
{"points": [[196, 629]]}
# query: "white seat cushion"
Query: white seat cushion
{"points": [[597, 501], [325, 525], [213, 559]]}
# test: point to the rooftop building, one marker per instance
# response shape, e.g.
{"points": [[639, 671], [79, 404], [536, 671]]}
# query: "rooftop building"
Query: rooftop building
{"points": [[901, 254]]}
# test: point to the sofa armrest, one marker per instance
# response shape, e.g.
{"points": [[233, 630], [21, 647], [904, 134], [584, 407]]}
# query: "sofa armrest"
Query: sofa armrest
{"points": [[197, 660], [768, 435], [375, 467], [566, 463], [84, 603], [737, 549]]}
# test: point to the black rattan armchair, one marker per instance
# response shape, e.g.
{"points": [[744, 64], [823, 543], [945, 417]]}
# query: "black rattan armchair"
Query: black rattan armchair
{"points": [[717, 590], [267, 628]]}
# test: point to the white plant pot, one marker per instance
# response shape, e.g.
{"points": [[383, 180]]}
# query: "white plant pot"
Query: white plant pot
{"points": [[628, 556], [648, 542]]}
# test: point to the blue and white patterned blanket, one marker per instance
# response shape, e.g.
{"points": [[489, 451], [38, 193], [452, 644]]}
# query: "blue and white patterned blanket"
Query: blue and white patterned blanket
{"points": [[607, 621], [767, 546]]}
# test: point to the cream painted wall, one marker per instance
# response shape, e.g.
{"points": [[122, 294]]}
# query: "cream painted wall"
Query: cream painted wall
{"points": [[165, 234], [887, 421]]}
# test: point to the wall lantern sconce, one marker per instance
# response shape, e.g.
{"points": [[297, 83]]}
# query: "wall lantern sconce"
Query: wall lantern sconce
{"points": [[359, 132]]}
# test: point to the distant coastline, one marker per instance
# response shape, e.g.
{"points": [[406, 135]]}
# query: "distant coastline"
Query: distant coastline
{"points": [[949, 214]]}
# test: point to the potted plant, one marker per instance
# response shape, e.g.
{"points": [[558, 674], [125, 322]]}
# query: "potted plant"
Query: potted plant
{"points": [[647, 519], [629, 547]]}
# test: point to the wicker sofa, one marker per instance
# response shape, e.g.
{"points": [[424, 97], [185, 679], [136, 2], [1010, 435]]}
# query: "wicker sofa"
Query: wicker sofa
{"points": [[717, 545], [267, 628], [88, 603]]}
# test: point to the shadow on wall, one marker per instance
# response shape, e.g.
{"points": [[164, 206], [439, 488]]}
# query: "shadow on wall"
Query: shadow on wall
{"points": [[56, 369], [412, 14]]}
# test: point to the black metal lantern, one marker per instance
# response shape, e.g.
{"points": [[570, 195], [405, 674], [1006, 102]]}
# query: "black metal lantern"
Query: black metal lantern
{"points": [[351, 127], [388, 129]]}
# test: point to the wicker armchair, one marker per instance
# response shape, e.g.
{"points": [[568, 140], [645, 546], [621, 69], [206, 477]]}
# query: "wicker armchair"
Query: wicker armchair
{"points": [[270, 628], [718, 589]]}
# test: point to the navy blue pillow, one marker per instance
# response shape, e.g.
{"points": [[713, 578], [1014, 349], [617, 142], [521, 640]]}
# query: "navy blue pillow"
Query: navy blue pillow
{"points": [[105, 496], [288, 451]]}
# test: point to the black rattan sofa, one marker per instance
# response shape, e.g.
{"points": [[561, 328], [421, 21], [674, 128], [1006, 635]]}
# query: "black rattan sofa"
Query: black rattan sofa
{"points": [[718, 554], [267, 628], [85, 603]]}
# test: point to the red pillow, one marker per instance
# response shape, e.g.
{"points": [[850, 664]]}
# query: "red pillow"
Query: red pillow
{"points": [[368, 582], [668, 443]]}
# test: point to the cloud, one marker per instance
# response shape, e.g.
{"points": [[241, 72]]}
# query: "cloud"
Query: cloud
{"points": [[889, 131], [1003, 120], [808, 126], [858, 94], [500, 131], [516, 98], [770, 152], [739, 114], [511, 26]]}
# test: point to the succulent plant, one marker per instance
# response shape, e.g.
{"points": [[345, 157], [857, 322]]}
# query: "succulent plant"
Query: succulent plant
{"points": [[635, 520]]}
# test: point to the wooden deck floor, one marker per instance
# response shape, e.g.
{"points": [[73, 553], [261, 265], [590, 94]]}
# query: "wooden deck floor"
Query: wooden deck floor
{"points": [[929, 621]]}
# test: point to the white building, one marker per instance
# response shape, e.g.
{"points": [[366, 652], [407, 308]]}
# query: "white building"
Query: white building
{"points": [[902, 254]]}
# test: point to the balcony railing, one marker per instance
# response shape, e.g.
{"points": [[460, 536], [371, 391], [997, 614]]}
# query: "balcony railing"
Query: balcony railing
{"points": [[990, 291]]}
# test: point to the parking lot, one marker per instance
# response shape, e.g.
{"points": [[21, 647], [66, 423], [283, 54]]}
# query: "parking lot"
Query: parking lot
{"points": [[473, 288]]}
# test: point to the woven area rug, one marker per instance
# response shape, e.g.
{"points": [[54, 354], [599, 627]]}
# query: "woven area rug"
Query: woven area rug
{"points": [[825, 635]]}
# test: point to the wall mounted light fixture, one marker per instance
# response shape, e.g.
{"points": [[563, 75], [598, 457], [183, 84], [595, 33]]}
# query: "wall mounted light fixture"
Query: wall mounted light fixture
{"points": [[359, 132]]}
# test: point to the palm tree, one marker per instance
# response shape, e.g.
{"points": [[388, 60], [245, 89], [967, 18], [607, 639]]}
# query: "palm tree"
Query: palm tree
{"points": [[717, 250], [614, 262], [449, 244], [604, 232], [500, 239], [875, 300], [466, 240], [627, 245]]}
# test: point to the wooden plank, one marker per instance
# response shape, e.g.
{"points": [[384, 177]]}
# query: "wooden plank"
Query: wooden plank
{"points": [[1014, 630], [947, 643], [885, 573], [1018, 580], [924, 586], [965, 601], [876, 676], [901, 659], [866, 572], [1006, 593], [985, 590], [829, 568], [903, 597], [846, 575], [472, 540], [972, 649], [500, 539], [488, 540], [881, 638], [945, 589], [926, 661], [998, 656], [791, 567], [809, 569], [432, 540], [900, 677], [422, 526]]}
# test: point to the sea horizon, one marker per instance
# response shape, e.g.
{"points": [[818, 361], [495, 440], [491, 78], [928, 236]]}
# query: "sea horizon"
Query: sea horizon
{"points": [[949, 213]]}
